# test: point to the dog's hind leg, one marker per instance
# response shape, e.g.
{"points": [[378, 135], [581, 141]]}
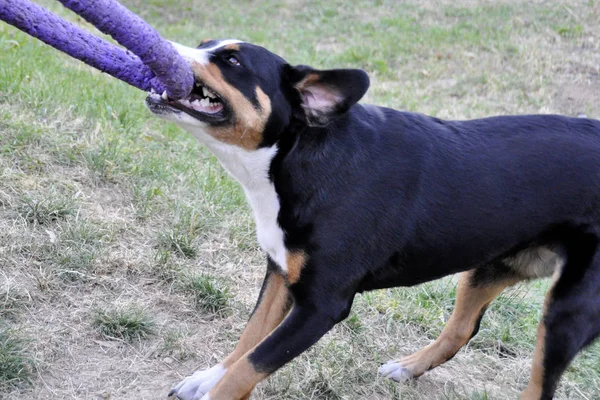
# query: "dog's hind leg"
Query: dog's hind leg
{"points": [[570, 322], [476, 289]]}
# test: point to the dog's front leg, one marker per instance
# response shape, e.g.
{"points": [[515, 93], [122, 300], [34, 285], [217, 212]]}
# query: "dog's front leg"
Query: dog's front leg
{"points": [[272, 306], [309, 319]]}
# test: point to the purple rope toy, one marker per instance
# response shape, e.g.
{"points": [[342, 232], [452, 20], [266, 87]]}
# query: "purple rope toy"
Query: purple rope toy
{"points": [[154, 64]]}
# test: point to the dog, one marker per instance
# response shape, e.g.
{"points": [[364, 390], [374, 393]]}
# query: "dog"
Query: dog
{"points": [[349, 198]]}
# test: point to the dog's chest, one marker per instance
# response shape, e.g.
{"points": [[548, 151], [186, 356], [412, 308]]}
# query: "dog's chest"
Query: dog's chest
{"points": [[265, 205], [251, 169]]}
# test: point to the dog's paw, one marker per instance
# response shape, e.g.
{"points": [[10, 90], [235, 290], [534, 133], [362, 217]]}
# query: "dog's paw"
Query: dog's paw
{"points": [[396, 371], [196, 386]]}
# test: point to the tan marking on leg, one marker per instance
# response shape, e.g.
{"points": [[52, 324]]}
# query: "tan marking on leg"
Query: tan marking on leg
{"points": [[295, 261], [470, 302], [238, 382], [240, 378], [204, 41], [533, 391], [249, 121], [233, 46], [273, 308]]}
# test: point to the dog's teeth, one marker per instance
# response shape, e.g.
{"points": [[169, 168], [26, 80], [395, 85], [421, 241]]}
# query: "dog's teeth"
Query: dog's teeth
{"points": [[208, 93], [204, 102], [164, 95], [152, 91]]}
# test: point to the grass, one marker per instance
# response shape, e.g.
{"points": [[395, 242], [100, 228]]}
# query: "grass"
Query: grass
{"points": [[180, 238], [174, 346], [12, 301], [45, 211], [209, 294], [129, 323], [99, 200], [16, 365]]}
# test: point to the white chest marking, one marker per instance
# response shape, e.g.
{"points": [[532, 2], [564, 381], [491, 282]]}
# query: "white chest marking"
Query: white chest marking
{"points": [[251, 169]]}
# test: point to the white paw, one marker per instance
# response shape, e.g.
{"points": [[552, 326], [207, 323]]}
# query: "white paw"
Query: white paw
{"points": [[196, 386], [396, 371]]}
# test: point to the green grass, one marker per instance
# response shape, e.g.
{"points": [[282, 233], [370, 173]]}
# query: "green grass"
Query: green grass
{"points": [[174, 345], [12, 301], [45, 210], [180, 238], [209, 294], [100, 200], [77, 248], [16, 364], [129, 323], [166, 267], [181, 243]]}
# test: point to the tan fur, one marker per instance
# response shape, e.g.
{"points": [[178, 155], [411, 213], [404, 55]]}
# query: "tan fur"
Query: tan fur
{"points": [[470, 301], [308, 80], [312, 83], [238, 381], [271, 310], [249, 122], [204, 41], [533, 391], [295, 262], [240, 378], [233, 46]]}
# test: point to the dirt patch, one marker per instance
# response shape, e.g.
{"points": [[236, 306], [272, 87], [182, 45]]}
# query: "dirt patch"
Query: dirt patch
{"points": [[578, 99]]}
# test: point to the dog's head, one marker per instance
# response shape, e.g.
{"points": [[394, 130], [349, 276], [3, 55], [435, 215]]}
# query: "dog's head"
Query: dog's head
{"points": [[244, 95]]}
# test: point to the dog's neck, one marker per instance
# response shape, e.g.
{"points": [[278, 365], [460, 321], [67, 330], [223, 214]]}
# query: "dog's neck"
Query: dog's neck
{"points": [[251, 169]]}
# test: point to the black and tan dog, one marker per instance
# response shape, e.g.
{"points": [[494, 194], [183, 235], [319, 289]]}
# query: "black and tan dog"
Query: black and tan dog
{"points": [[349, 198]]}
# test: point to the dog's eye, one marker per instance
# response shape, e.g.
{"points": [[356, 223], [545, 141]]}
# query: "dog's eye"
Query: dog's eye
{"points": [[233, 61]]}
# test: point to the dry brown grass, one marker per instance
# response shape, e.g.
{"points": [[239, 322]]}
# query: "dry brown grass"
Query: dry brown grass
{"points": [[133, 189]]}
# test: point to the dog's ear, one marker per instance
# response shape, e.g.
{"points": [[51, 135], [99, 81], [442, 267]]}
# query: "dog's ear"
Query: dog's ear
{"points": [[325, 94]]}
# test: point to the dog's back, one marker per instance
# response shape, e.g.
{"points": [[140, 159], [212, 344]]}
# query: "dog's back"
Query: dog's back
{"points": [[446, 195]]}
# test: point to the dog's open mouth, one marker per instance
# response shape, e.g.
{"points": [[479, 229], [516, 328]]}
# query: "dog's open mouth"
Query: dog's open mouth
{"points": [[203, 104], [203, 100]]}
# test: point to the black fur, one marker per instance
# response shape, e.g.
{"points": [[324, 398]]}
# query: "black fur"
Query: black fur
{"points": [[381, 198]]}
